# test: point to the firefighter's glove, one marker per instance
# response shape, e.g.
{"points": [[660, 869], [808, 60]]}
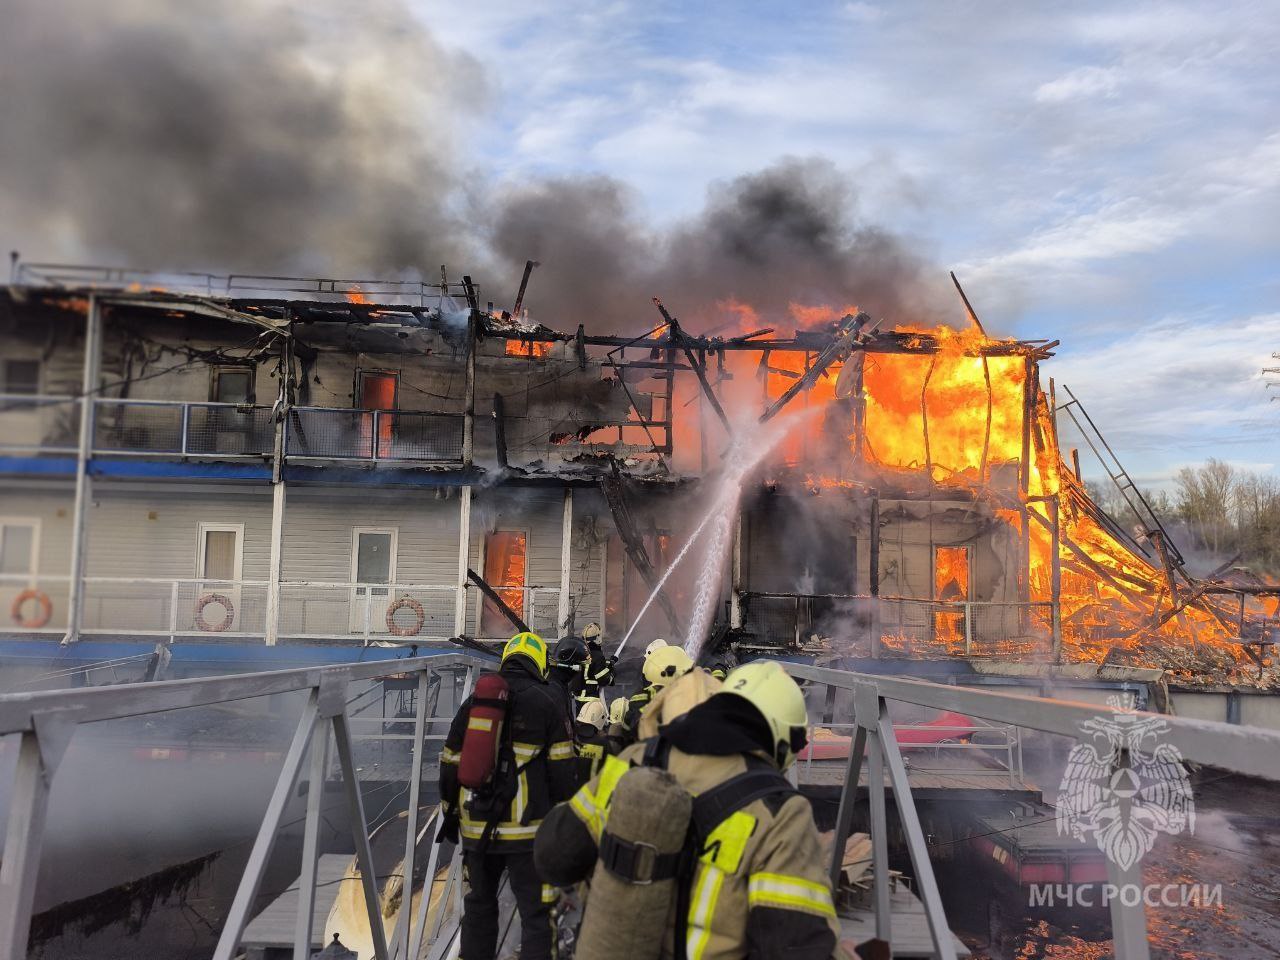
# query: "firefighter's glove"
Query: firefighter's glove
{"points": [[449, 829]]}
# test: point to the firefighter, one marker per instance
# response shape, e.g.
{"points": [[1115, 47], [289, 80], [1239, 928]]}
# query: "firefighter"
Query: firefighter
{"points": [[758, 887], [497, 823], [597, 672], [591, 738], [571, 657], [663, 665]]}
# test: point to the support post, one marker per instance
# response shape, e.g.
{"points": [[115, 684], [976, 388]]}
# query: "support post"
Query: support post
{"points": [[400, 936], [247, 891], [84, 483], [566, 559], [873, 578], [879, 837], [464, 548], [848, 801], [360, 833], [735, 585], [469, 394], [276, 562], [926, 883], [1055, 580], [39, 753], [311, 845]]}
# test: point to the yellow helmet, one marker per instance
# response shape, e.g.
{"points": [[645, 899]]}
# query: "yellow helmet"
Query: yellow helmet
{"points": [[665, 664], [618, 710], [528, 645], [770, 689], [594, 712]]}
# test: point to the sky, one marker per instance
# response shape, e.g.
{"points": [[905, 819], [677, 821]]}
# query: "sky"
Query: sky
{"points": [[1104, 174]]}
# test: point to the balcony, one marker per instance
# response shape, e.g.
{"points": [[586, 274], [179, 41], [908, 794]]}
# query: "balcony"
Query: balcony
{"points": [[50, 425], [39, 424], [144, 607], [161, 427], [324, 433]]}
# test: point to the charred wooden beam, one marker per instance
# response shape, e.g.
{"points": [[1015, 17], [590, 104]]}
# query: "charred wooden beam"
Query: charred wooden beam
{"points": [[632, 542], [524, 285], [967, 307], [678, 335], [500, 430], [497, 600], [849, 335]]}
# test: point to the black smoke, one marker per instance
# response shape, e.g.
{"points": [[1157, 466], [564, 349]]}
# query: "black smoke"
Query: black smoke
{"points": [[330, 139]]}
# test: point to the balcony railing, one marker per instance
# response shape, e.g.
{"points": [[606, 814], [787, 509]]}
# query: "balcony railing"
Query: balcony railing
{"points": [[903, 626], [182, 429], [215, 609], [165, 428], [39, 424], [373, 435]]}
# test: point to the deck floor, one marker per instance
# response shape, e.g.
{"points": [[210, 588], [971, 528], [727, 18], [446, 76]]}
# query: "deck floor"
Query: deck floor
{"points": [[910, 926]]}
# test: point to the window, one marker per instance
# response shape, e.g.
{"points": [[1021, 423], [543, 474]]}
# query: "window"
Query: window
{"points": [[19, 546], [232, 385], [220, 551], [21, 376], [504, 570]]}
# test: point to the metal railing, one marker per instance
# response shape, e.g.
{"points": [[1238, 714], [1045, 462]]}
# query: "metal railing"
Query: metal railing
{"points": [[38, 423], [237, 285], [143, 427], [225, 609], [328, 433], [46, 722], [911, 627], [1246, 750]]}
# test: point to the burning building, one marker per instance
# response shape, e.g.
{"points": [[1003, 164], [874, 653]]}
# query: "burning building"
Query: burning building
{"points": [[255, 459]]}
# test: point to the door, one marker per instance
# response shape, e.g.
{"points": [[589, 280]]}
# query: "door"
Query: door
{"points": [[219, 554], [373, 562], [950, 583], [377, 392], [504, 570]]}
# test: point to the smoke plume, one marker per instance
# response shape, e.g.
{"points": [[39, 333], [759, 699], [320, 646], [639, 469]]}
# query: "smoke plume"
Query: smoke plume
{"points": [[330, 139]]}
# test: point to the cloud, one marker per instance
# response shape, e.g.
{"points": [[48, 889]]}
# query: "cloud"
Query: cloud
{"points": [[1080, 84]]}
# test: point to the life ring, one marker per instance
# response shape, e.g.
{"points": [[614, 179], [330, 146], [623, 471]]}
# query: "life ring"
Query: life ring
{"points": [[405, 602], [207, 599], [42, 601]]}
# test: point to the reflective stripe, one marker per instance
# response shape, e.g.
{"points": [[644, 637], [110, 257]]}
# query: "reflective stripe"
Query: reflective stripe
{"points": [[522, 797], [561, 751], [449, 756], [701, 909], [789, 893], [584, 806], [474, 831], [728, 841], [549, 893], [479, 723], [525, 751]]}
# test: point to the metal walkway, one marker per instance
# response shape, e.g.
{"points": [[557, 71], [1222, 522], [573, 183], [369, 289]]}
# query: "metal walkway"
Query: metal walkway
{"points": [[46, 723]]}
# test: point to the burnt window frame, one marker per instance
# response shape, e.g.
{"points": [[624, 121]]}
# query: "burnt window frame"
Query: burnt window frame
{"points": [[217, 371], [6, 381]]}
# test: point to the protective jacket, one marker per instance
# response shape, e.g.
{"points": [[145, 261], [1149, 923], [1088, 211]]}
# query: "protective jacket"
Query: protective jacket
{"points": [[759, 888], [597, 672], [540, 733]]}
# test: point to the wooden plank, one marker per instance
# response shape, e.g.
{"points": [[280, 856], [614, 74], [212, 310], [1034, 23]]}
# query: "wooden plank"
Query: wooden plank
{"points": [[273, 927], [910, 926]]}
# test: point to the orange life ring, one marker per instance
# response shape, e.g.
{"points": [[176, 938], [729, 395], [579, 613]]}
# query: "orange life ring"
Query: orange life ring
{"points": [[42, 601], [207, 599], [395, 629]]}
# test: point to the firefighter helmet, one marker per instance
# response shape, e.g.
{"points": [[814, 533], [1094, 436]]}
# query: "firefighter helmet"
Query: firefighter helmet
{"points": [[591, 632], [665, 664], [530, 646], [571, 651], [654, 645], [594, 712], [618, 710], [770, 689]]}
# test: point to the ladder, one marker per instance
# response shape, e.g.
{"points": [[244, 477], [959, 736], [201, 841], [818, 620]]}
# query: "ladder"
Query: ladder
{"points": [[1159, 547]]}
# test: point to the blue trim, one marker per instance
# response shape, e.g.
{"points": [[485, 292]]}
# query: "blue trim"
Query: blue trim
{"points": [[179, 470], [380, 476], [39, 466]]}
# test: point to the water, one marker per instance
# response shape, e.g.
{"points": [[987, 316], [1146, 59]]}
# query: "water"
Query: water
{"points": [[746, 453]]}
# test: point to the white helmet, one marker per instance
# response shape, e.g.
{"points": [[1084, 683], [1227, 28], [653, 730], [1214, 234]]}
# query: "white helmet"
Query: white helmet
{"points": [[770, 689], [618, 710], [666, 664], [593, 712], [654, 645]]}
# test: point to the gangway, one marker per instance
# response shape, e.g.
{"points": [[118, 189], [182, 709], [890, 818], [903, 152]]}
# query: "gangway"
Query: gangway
{"points": [[46, 722]]}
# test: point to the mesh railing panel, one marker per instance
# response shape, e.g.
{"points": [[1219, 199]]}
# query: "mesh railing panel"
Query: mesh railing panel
{"points": [[347, 611], [224, 430], [184, 606], [368, 435], [138, 427], [39, 423], [916, 628]]}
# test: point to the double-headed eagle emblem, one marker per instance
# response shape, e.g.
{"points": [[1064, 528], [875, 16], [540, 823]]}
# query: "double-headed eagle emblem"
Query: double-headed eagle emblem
{"points": [[1125, 788]]}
